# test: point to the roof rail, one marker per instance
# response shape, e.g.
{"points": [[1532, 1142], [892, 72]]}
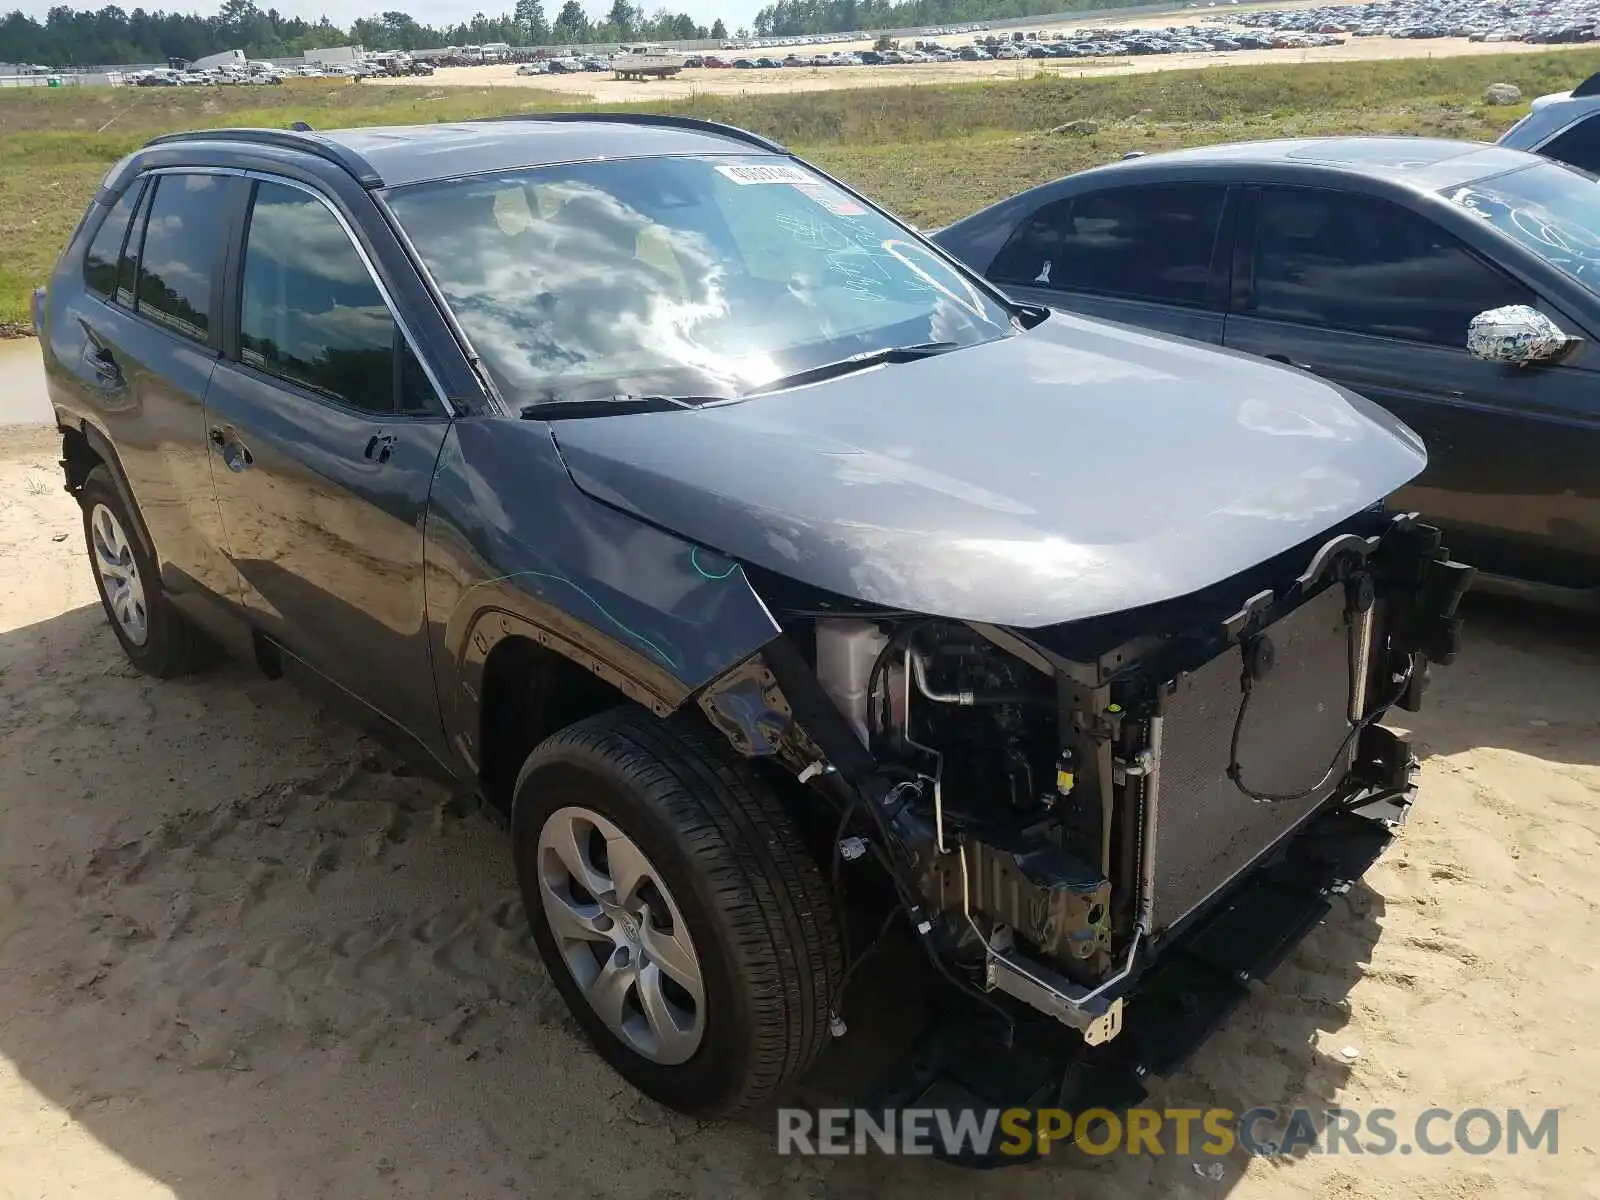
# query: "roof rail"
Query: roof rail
{"points": [[660, 119], [284, 139], [1589, 87]]}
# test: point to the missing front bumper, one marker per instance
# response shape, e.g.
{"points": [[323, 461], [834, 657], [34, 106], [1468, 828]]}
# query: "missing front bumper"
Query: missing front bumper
{"points": [[962, 1062]]}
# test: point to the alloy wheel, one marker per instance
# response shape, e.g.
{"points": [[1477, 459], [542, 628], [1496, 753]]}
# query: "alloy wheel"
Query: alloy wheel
{"points": [[119, 574], [621, 935]]}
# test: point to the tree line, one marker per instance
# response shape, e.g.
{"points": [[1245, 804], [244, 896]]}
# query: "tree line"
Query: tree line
{"points": [[76, 38]]}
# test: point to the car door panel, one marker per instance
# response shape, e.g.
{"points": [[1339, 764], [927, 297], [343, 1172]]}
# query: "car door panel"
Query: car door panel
{"points": [[322, 482], [1510, 450], [327, 537]]}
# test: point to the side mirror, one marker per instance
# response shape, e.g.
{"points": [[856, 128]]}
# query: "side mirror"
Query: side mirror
{"points": [[1519, 335]]}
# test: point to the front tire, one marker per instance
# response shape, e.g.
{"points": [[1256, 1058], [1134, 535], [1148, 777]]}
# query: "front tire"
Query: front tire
{"points": [[155, 636], [676, 909]]}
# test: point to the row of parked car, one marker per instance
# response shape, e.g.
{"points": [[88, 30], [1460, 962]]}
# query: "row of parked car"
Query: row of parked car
{"points": [[268, 73], [209, 77], [1544, 21]]}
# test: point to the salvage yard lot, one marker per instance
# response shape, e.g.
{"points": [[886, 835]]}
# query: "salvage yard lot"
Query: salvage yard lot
{"points": [[894, 143], [244, 953]]}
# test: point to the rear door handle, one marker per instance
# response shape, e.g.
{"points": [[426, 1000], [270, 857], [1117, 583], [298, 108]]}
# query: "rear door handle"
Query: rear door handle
{"points": [[379, 447], [105, 366], [235, 453], [99, 357]]}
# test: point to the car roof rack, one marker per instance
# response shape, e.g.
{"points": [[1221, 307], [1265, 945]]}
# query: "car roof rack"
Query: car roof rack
{"points": [[284, 139], [657, 119], [1589, 87]]}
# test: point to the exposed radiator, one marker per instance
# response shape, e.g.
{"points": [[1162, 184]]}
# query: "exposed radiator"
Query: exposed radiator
{"points": [[1207, 830]]}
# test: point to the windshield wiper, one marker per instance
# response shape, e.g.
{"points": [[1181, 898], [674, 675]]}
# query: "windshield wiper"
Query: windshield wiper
{"points": [[620, 405], [856, 362]]}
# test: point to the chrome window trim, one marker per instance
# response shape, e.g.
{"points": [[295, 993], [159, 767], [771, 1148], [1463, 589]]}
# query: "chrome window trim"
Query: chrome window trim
{"points": [[444, 405]]}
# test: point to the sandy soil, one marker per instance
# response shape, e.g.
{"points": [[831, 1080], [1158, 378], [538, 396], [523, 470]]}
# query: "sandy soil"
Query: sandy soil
{"points": [[244, 954], [603, 89]]}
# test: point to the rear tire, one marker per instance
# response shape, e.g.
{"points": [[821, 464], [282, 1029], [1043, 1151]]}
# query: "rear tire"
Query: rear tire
{"points": [[156, 637], [727, 858]]}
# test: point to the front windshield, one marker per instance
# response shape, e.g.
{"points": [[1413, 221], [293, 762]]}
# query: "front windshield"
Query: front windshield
{"points": [[689, 276], [1551, 210]]}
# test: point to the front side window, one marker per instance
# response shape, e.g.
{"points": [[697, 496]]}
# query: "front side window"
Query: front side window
{"points": [[1355, 263], [182, 236], [1149, 243], [309, 311], [1546, 209], [105, 251], [681, 276], [1577, 144]]}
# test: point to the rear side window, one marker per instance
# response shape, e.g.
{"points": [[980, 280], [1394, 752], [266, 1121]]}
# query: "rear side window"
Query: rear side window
{"points": [[184, 231], [309, 311], [1030, 256], [105, 251], [128, 264], [1147, 243], [1340, 261], [1577, 145]]}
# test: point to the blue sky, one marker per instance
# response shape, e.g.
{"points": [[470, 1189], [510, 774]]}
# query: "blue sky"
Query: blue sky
{"points": [[434, 12]]}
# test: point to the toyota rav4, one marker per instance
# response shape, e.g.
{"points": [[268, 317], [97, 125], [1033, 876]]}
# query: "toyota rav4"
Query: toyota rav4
{"points": [[777, 578]]}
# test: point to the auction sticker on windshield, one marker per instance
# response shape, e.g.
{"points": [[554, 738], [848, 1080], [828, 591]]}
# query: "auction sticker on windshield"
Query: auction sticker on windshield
{"points": [[766, 173], [832, 199]]}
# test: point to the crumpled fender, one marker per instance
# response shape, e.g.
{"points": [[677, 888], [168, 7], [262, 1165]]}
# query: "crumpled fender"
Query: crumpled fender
{"points": [[514, 549]]}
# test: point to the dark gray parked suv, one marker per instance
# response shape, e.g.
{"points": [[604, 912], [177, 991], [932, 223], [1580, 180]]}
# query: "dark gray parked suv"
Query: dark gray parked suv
{"points": [[1378, 263], [775, 576]]}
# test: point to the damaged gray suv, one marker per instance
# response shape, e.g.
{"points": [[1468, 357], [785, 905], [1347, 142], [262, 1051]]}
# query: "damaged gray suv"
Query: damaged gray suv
{"points": [[785, 586]]}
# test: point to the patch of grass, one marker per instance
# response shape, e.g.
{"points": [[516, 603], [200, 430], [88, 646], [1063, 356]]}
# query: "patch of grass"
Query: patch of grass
{"points": [[931, 153]]}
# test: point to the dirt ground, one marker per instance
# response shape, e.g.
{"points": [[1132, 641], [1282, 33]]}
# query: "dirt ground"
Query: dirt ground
{"points": [[243, 954], [603, 89]]}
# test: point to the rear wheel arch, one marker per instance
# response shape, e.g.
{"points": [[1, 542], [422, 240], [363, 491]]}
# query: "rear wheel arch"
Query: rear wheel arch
{"points": [[83, 448]]}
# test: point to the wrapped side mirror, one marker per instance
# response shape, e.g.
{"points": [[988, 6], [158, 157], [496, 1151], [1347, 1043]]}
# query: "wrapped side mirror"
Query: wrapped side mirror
{"points": [[1519, 335]]}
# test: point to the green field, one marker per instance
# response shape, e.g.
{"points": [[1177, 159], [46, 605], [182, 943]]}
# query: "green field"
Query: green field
{"points": [[929, 153]]}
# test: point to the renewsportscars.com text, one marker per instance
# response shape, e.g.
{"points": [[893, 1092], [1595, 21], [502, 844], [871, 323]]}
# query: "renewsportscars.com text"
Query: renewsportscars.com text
{"points": [[1263, 1132]]}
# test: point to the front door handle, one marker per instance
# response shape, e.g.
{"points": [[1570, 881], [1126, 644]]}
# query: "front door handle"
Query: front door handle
{"points": [[235, 453], [379, 447]]}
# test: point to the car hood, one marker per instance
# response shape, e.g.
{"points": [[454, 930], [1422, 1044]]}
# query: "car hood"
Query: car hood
{"points": [[1076, 469]]}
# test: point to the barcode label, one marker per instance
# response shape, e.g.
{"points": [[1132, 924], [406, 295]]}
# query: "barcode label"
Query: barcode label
{"points": [[766, 173]]}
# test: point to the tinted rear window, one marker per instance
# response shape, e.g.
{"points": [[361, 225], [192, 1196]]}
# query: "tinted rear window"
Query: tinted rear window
{"points": [[100, 262], [1148, 243], [182, 238]]}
